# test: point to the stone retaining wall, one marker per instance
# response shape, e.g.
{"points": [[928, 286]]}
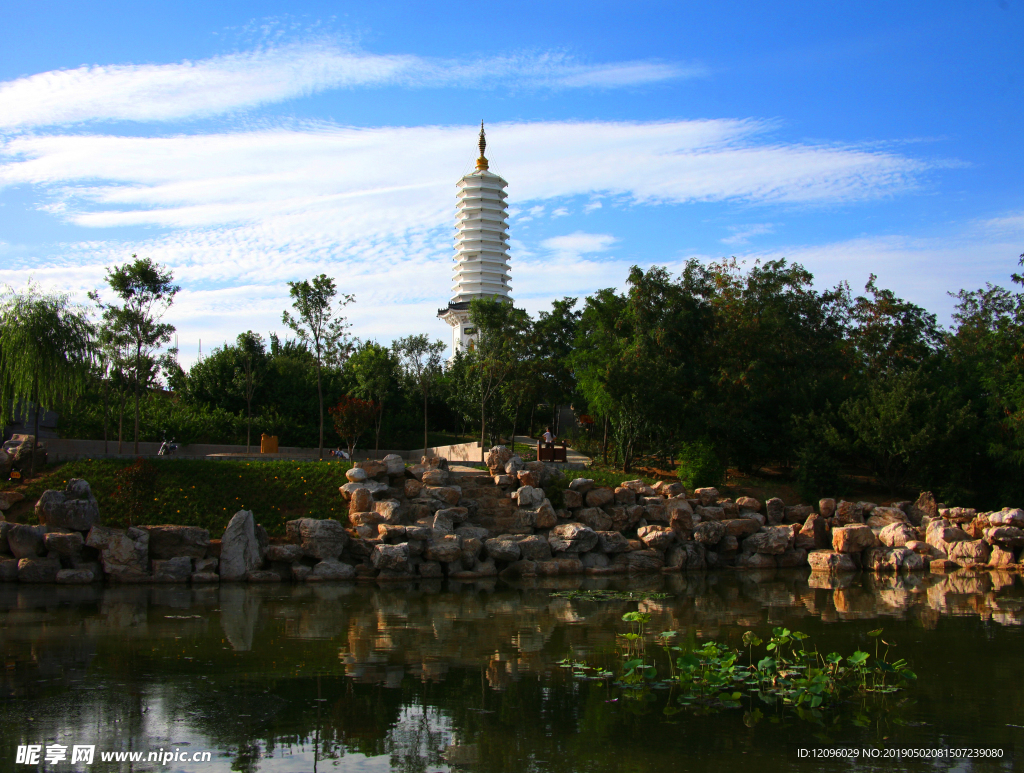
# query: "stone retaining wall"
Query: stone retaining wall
{"points": [[424, 522]]}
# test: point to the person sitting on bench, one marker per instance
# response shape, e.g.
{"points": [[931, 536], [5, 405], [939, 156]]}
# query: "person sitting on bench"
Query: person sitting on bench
{"points": [[549, 439]]}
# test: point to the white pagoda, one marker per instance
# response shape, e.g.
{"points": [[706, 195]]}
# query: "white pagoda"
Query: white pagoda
{"points": [[481, 247]]}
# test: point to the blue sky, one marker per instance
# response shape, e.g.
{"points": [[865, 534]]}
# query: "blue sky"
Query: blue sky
{"points": [[246, 145]]}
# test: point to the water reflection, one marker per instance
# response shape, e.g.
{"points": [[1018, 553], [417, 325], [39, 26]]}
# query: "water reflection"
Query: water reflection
{"points": [[426, 677]]}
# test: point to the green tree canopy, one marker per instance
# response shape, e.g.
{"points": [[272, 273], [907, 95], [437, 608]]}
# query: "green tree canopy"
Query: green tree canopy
{"points": [[47, 346], [146, 292], [318, 324]]}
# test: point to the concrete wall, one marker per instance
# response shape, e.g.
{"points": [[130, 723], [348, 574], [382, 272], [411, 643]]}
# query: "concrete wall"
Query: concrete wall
{"points": [[60, 450], [463, 452]]}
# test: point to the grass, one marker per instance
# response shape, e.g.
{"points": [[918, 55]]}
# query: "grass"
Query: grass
{"points": [[205, 493]]}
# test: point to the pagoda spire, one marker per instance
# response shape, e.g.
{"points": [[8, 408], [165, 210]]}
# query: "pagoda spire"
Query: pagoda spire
{"points": [[481, 163]]}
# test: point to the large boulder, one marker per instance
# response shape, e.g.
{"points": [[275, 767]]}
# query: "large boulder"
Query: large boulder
{"points": [[599, 497], [831, 562], [240, 551], [572, 538], [771, 540], [178, 569], [503, 549], [170, 541], [435, 477], [707, 495], [395, 465], [66, 544], [639, 561], [331, 569], [8, 498], [38, 569], [796, 513], [356, 475], [966, 552], [925, 506], [897, 534], [75, 508], [884, 516], [528, 496], [581, 485], [612, 542], [848, 512], [123, 553], [496, 459], [775, 510], [594, 517], [756, 561], [658, 537], [25, 541], [1006, 537], [535, 548], [813, 535], [444, 548], [711, 533], [748, 503], [278, 554], [391, 557], [320, 538], [852, 539]]}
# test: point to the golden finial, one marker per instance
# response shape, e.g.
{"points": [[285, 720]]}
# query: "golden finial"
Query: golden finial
{"points": [[481, 163]]}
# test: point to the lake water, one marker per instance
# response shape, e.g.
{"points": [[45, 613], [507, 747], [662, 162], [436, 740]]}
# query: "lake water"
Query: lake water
{"points": [[444, 677]]}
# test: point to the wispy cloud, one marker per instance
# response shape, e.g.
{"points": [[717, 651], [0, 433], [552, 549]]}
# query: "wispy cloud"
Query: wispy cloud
{"points": [[222, 84], [579, 243], [741, 233], [239, 213]]}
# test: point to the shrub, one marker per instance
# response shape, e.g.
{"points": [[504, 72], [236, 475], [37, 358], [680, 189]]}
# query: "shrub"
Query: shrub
{"points": [[817, 473], [700, 465], [136, 485]]}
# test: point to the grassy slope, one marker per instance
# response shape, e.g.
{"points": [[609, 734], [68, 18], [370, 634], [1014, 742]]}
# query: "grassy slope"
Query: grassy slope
{"points": [[205, 493]]}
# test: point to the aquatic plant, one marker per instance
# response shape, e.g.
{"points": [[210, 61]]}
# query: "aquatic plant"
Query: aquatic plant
{"points": [[785, 674]]}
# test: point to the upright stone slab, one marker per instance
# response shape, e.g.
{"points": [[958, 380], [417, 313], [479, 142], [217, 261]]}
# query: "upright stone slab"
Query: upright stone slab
{"points": [[240, 550]]}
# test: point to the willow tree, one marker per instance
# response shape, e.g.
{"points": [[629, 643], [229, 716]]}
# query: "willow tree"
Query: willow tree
{"points": [[46, 350]]}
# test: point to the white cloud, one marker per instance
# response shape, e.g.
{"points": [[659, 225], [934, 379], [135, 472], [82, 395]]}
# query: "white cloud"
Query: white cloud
{"points": [[222, 84], [240, 213], [741, 233], [579, 243]]}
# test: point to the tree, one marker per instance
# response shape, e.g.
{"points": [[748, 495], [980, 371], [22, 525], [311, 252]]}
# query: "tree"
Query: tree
{"points": [[421, 361], [352, 417], [319, 325], [500, 346], [46, 349], [554, 334], [376, 374], [249, 374], [146, 292]]}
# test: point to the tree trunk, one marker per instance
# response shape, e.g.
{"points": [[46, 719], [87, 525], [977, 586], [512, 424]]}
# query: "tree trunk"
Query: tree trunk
{"points": [[424, 421], [320, 395], [483, 427], [248, 427], [35, 436], [515, 421], [120, 424], [533, 409], [604, 445], [137, 363], [379, 421], [106, 404]]}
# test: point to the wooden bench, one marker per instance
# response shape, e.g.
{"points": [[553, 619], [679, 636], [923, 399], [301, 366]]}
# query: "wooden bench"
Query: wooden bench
{"points": [[550, 453]]}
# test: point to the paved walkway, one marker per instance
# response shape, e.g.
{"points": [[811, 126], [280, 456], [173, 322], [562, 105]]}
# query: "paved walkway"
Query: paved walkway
{"points": [[572, 456]]}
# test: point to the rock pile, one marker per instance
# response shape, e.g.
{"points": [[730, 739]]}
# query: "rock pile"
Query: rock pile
{"points": [[422, 522]]}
